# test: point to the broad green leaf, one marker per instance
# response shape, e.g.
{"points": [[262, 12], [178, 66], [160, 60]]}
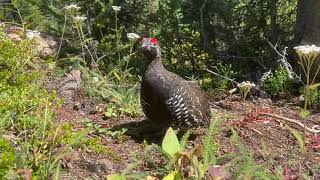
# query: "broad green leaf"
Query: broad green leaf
{"points": [[170, 143], [172, 176], [115, 177]]}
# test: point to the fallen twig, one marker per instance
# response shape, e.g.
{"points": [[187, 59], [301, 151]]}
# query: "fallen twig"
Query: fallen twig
{"points": [[310, 130], [233, 81], [255, 130], [285, 63]]}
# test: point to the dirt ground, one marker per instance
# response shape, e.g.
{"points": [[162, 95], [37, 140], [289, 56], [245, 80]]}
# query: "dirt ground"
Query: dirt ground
{"points": [[271, 142]]}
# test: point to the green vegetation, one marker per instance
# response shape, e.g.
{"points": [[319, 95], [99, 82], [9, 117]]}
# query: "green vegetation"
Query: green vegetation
{"points": [[278, 83]]}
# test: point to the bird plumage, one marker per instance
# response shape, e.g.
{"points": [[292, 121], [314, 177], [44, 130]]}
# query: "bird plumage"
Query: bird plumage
{"points": [[166, 98]]}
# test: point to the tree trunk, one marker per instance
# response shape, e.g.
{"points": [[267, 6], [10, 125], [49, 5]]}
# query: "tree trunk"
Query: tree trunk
{"points": [[308, 23], [274, 26], [307, 29], [203, 23]]}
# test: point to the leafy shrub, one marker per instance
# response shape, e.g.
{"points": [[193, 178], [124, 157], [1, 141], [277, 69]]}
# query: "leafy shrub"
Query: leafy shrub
{"points": [[278, 83], [7, 156], [314, 97], [26, 111]]}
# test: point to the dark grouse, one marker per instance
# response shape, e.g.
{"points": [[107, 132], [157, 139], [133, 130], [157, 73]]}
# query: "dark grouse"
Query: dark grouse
{"points": [[166, 98]]}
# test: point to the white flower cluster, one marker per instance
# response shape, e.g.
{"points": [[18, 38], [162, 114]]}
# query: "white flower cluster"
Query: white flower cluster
{"points": [[245, 88], [246, 84], [72, 7], [307, 49], [116, 8], [133, 36], [32, 34], [80, 18]]}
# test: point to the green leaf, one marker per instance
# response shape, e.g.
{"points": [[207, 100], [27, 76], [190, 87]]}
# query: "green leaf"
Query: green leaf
{"points": [[57, 176], [170, 143], [115, 177], [172, 176], [299, 138]]}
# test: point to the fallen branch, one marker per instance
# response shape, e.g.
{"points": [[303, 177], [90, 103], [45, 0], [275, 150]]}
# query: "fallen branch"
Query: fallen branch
{"points": [[310, 130], [285, 63], [233, 81]]}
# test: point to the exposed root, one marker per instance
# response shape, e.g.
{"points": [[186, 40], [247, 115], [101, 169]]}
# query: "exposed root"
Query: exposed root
{"points": [[309, 130]]}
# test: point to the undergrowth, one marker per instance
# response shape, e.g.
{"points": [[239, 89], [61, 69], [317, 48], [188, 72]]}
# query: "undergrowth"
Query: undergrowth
{"points": [[278, 83], [123, 99], [31, 143], [26, 113], [200, 162]]}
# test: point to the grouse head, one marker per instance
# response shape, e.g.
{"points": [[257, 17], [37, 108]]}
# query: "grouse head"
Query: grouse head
{"points": [[151, 48]]}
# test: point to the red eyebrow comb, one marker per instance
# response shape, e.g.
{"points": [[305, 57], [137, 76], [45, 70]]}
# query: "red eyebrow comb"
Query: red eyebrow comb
{"points": [[154, 41]]}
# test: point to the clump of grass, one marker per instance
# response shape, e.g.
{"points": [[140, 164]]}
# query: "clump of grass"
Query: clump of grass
{"points": [[243, 164], [123, 99]]}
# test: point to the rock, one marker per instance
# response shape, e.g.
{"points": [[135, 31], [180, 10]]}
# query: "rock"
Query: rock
{"points": [[69, 86], [46, 44], [14, 37]]}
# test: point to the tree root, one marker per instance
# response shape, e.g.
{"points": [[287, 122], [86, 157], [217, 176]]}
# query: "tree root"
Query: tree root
{"points": [[309, 130]]}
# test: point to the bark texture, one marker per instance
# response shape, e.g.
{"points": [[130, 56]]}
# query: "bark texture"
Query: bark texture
{"points": [[308, 22], [307, 29]]}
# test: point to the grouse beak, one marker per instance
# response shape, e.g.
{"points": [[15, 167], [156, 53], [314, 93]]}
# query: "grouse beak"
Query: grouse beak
{"points": [[146, 48]]}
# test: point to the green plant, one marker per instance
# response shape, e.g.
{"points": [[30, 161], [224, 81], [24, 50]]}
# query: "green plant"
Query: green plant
{"points": [[26, 114], [210, 146], [307, 56], [187, 164], [278, 82], [218, 83], [243, 165], [7, 157], [123, 99], [98, 129], [313, 93], [299, 138]]}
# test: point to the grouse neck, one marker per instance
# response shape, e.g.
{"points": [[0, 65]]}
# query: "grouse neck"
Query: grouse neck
{"points": [[156, 63]]}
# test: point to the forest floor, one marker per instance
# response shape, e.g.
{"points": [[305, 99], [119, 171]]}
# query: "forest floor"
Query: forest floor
{"points": [[272, 143]]}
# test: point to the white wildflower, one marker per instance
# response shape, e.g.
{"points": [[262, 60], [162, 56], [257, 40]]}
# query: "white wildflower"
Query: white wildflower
{"points": [[245, 88], [116, 8], [307, 49], [80, 18], [133, 36], [32, 34], [95, 79], [308, 55], [72, 7], [246, 84]]}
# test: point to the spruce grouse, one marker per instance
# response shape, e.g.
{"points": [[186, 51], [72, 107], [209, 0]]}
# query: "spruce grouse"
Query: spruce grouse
{"points": [[166, 98]]}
